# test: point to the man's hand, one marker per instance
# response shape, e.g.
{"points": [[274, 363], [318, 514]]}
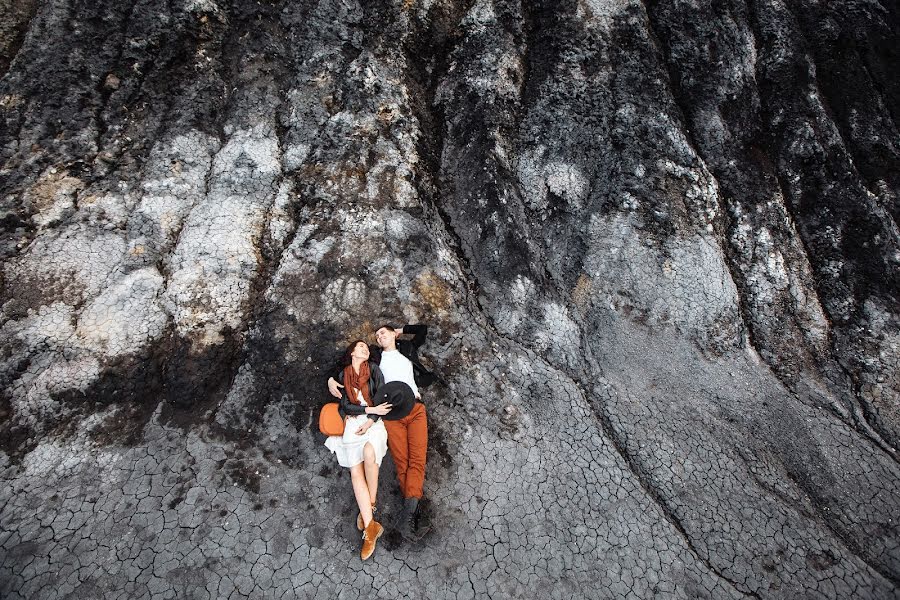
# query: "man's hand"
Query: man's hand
{"points": [[379, 409], [399, 331], [334, 388], [364, 427]]}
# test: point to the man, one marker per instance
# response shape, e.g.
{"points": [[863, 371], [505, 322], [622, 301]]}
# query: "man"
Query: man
{"points": [[408, 436]]}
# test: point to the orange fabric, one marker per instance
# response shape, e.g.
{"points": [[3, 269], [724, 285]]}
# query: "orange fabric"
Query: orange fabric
{"points": [[408, 443], [330, 421], [357, 381]]}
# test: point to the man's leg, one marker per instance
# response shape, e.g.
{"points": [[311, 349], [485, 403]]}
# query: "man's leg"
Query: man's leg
{"points": [[397, 444], [417, 444]]}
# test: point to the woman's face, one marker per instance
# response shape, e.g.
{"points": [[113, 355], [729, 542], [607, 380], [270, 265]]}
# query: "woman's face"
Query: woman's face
{"points": [[361, 350]]}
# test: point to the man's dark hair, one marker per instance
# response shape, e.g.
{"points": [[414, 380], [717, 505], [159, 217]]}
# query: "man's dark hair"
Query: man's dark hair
{"points": [[390, 326]]}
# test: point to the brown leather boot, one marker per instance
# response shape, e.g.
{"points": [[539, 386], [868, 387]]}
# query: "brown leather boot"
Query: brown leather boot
{"points": [[370, 536], [359, 520]]}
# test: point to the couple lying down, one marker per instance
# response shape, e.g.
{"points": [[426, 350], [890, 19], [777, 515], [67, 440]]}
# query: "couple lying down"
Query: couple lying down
{"points": [[381, 404]]}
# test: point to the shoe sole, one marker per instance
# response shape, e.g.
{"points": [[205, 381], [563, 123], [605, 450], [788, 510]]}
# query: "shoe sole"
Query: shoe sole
{"points": [[418, 534]]}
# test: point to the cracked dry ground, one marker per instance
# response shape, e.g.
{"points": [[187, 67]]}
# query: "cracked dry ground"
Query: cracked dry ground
{"points": [[656, 244]]}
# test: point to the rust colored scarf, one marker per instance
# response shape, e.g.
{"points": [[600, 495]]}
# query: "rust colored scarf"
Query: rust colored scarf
{"points": [[353, 382]]}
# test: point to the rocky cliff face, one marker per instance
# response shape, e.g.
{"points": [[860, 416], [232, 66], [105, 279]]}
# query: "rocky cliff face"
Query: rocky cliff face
{"points": [[656, 243]]}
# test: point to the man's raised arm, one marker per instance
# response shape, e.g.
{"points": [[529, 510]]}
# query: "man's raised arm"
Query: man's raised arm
{"points": [[418, 332]]}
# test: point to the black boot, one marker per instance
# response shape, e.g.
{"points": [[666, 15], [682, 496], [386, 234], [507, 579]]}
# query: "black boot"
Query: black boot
{"points": [[410, 526], [406, 523]]}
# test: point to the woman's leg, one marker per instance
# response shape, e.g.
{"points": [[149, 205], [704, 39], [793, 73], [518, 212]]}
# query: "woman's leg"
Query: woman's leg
{"points": [[371, 471], [361, 491]]}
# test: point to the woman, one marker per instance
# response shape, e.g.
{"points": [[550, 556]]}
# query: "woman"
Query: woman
{"points": [[364, 443]]}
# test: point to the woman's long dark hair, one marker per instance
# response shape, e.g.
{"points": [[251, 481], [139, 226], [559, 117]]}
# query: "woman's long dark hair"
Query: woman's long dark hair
{"points": [[346, 359]]}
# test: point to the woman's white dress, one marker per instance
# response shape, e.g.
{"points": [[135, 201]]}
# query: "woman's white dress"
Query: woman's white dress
{"points": [[349, 447]]}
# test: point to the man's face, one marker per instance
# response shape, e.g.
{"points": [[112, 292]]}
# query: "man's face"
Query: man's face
{"points": [[385, 337]]}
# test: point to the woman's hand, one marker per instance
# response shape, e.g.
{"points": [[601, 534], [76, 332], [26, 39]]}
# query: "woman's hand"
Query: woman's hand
{"points": [[334, 387], [379, 409], [364, 427]]}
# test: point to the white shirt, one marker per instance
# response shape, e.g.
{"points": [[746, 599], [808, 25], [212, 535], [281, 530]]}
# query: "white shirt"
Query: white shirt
{"points": [[397, 367]]}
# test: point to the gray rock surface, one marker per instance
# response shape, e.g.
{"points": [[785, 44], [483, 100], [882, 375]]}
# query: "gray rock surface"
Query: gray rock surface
{"points": [[656, 243]]}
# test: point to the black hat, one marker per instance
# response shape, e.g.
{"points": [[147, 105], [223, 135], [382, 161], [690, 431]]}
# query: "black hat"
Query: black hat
{"points": [[400, 395]]}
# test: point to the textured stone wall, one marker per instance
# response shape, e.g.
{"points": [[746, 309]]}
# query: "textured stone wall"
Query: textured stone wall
{"points": [[656, 243]]}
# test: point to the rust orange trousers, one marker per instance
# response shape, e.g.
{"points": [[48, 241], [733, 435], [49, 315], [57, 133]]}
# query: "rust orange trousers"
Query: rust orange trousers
{"points": [[408, 443]]}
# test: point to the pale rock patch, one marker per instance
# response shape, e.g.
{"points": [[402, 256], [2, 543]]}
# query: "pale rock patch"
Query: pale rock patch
{"points": [[177, 171], [684, 282], [126, 317], [72, 264], [216, 256]]}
